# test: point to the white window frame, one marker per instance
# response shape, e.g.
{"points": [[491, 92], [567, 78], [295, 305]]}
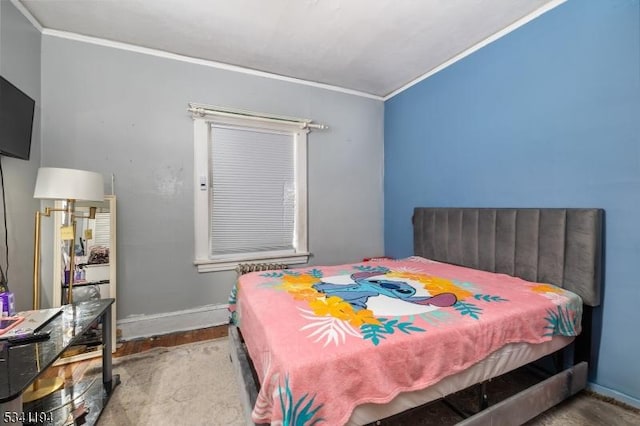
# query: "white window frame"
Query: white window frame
{"points": [[203, 119]]}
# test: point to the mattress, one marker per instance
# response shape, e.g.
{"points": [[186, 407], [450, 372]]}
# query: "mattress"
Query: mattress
{"points": [[326, 341], [508, 358]]}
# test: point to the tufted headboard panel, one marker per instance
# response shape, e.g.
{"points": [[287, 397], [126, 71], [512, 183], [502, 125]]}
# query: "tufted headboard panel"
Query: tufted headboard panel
{"points": [[559, 246]]}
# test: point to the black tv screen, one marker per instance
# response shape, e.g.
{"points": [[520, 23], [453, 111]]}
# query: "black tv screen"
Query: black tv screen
{"points": [[16, 121]]}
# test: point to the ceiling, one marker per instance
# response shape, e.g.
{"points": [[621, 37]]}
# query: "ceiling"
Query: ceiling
{"points": [[376, 47]]}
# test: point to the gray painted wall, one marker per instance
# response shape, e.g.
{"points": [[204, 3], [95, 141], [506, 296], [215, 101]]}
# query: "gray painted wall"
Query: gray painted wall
{"points": [[122, 112], [20, 64]]}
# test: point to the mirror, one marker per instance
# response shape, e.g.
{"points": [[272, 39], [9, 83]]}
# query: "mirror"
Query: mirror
{"points": [[94, 269]]}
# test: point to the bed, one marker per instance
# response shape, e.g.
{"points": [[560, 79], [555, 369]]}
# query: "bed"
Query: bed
{"points": [[487, 291]]}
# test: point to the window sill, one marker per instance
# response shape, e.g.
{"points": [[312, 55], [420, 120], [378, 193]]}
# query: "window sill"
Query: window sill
{"points": [[228, 265]]}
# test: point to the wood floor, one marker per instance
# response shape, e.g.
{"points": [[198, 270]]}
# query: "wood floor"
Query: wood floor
{"points": [[74, 371], [167, 340]]}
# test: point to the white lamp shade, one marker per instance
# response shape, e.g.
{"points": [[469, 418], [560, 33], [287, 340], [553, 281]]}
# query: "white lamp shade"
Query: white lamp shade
{"points": [[68, 184]]}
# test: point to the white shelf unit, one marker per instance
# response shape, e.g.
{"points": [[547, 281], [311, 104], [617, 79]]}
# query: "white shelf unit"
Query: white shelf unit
{"points": [[98, 271]]}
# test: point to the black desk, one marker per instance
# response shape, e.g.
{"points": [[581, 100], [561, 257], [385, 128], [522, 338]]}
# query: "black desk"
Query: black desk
{"points": [[21, 365]]}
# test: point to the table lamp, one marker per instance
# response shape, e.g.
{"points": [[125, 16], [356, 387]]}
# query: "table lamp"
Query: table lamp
{"points": [[69, 185]]}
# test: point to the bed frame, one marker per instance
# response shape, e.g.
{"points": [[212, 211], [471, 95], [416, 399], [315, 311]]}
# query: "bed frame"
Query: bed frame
{"points": [[558, 246]]}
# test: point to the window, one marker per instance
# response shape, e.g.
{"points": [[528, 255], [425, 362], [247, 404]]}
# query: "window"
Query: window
{"points": [[250, 189]]}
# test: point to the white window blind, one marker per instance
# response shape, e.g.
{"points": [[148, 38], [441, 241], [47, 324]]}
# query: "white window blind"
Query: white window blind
{"points": [[253, 192], [250, 188]]}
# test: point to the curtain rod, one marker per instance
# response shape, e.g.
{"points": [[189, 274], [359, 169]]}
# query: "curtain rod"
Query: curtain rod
{"points": [[202, 110]]}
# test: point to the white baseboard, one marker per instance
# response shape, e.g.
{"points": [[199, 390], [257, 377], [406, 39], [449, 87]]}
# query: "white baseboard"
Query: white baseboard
{"points": [[618, 396], [170, 322]]}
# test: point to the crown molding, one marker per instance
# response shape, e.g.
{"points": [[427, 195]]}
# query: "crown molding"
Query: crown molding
{"points": [[204, 62], [27, 15], [517, 24], [219, 65], [183, 58]]}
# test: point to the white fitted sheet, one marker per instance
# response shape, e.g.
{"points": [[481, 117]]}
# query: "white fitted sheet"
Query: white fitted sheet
{"points": [[509, 357]]}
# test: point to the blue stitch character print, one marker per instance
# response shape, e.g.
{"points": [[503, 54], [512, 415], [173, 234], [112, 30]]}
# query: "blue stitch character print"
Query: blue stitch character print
{"points": [[364, 287]]}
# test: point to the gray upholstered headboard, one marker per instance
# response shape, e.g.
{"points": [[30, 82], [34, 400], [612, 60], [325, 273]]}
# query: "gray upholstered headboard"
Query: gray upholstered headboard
{"points": [[558, 246]]}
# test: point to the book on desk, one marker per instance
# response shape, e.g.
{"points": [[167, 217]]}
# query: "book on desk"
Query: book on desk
{"points": [[32, 321]]}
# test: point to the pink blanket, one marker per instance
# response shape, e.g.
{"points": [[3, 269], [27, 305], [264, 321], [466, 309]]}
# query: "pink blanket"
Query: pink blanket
{"points": [[326, 339]]}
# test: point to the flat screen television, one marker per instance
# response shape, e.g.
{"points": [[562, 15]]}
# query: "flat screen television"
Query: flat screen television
{"points": [[16, 121]]}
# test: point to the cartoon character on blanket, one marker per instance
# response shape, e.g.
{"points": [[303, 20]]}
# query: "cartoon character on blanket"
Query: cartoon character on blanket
{"points": [[359, 293], [428, 311]]}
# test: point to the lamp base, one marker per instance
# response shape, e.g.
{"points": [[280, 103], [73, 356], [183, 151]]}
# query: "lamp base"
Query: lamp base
{"points": [[42, 388]]}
